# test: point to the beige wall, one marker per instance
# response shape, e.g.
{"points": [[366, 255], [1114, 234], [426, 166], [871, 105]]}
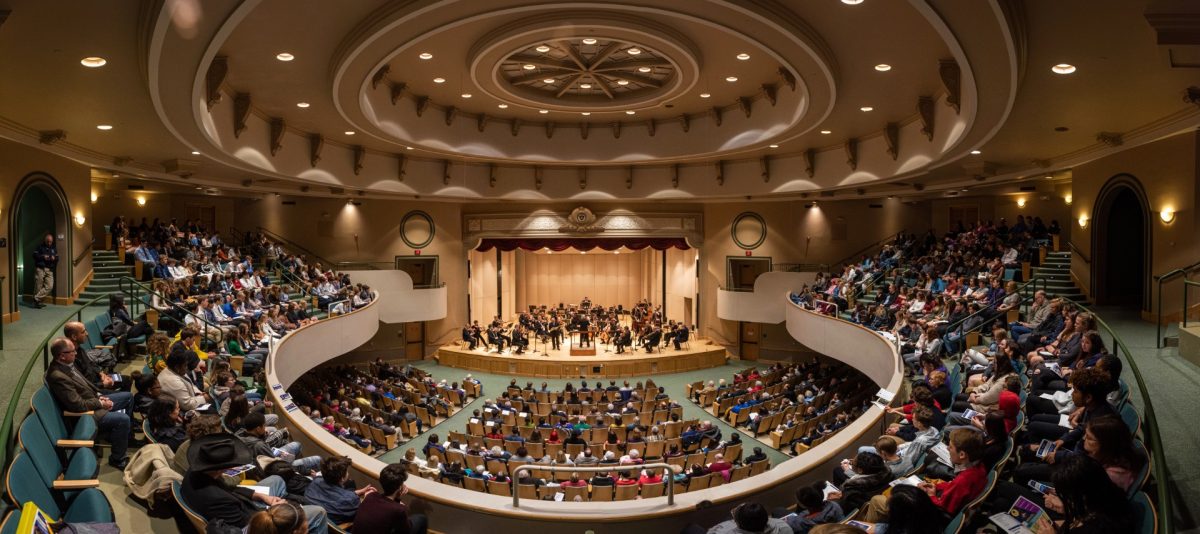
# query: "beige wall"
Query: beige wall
{"points": [[607, 279], [18, 161], [1167, 170], [339, 232], [113, 200]]}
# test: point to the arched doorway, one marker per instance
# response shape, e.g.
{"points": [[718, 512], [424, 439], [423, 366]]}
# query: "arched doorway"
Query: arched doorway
{"points": [[1121, 244], [40, 208]]}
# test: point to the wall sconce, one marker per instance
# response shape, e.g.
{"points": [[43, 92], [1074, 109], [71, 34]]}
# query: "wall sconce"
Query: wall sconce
{"points": [[79, 220], [95, 197], [1083, 220], [1020, 203], [1167, 215], [141, 201], [1068, 199]]}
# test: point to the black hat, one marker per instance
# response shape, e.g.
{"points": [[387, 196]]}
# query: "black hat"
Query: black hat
{"points": [[217, 451]]}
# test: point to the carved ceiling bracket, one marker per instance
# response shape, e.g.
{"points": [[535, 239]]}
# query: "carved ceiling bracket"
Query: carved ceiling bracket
{"points": [[481, 122], [537, 178], [360, 156], [788, 78], [675, 176], [616, 129], [549, 130], [810, 162], [852, 153], [583, 129], [771, 92], [716, 115], [379, 76], [445, 172], [1191, 95], [747, 105], [891, 134], [49, 137], [398, 90], [492, 175], [583, 177], [401, 166], [652, 126], [1110, 138], [629, 177], [925, 113], [422, 105], [451, 114], [277, 129], [241, 112], [315, 144], [217, 70], [686, 122], [764, 165], [720, 168], [951, 76]]}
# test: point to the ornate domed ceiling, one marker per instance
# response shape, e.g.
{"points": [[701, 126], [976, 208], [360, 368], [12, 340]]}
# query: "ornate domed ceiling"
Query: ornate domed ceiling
{"points": [[516, 99]]}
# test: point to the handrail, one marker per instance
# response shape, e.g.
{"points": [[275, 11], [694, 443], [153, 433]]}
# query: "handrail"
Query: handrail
{"points": [[1076, 250], [667, 474], [81, 255], [1021, 290], [296, 246], [866, 249], [1, 312], [1149, 427], [134, 291], [43, 348], [1186, 285], [286, 274], [1162, 279]]}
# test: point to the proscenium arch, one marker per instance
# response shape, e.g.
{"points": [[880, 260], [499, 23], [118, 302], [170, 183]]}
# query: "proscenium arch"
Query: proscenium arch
{"points": [[65, 272], [1104, 203]]}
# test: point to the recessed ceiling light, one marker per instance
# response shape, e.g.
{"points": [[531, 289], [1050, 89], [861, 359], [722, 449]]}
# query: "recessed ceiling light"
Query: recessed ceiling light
{"points": [[543, 111], [622, 82], [644, 69], [585, 86], [852, 2], [93, 61], [731, 78], [439, 80], [773, 146], [976, 152], [529, 66], [543, 49], [284, 56], [195, 152], [548, 80], [585, 113], [964, 190], [104, 127], [630, 112], [466, 95], [425, 55], [349, 132], [408, 148], [883, 67], [867, 108], [301, 104], [589, 41], [826, 132], [502, 106], [704, 95], [1063, 68], [634, 51], [743, 56]]}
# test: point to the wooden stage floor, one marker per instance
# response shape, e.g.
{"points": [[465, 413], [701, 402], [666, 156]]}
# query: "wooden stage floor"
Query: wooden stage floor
{"points": [[605, 364]]}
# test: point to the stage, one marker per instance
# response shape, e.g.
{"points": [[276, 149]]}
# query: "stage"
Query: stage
{"points": [[560, 363]]}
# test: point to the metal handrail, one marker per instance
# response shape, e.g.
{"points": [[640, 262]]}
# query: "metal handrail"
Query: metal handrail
{"points": [[1162, 279], [85, 252], [866, 249], [135, 291], [6, 428], [1021, 290], [1149, 427], [296, 246], [1076, 250], [2, 312], [668, 475]]}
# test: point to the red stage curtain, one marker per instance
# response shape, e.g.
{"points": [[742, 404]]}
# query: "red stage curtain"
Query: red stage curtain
{"points": [[559, 244]]}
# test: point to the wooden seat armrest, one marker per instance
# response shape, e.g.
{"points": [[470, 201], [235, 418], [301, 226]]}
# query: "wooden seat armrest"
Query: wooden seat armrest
{"points": [[76, 443], [109, 347], [71, 485], [77, 414]]}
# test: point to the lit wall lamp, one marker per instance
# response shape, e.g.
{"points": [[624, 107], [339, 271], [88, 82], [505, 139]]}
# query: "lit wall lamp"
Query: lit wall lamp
{"points": [[1020, 203], [141, 201], [79, 220], [1083, 220], [95, 197], [1068, 199], [1167, 215]]}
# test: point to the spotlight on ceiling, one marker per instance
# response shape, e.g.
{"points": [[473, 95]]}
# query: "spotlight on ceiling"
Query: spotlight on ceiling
{"points": [[585, 86], [622, 82], [543, 49], [743, 56], [466, 95], [349, 132], [302, 105], [93, 62], [773, 146], [644, 69], [439, 80], [529, 66], [976, 152], [195, 152], [630, 112], [284, 56], [543, 111], [425, 55], [883, 67], [589, 41], [867, 108], [852, 2], [548, 80], [585, 113], [105, 127], [731, 78], [705, 95], [502, 106], [826, 132], [634, 51], [1063, 68]]}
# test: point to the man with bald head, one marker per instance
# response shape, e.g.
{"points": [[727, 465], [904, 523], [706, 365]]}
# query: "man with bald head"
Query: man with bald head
{"points": [[75, 393], [100, 377]]}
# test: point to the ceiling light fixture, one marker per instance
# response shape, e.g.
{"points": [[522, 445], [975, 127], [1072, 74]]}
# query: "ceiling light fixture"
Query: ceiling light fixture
{"points": [[349, 132], [1063, 68], [425, 55], [543, 49], [543, 111], [529, 66], [826, 132], [634, 51], [195, 152], [585, 86], [93, 62], [466, 95], [630, 112], [302, 105], [743, 56], [852, 2], [502, 106], [284, 56], [105, 127], [773, 146], [585, 113], [731, 78], [548, 80], [644, 69], [589, 41], [704, 95], [408, 148], [867, 108], [439, 80], [883, 67], [622, 82], [976, 152]]}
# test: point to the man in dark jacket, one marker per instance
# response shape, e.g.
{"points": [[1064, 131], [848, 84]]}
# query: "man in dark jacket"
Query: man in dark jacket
{"points": [[75, 393], [45, 258]]}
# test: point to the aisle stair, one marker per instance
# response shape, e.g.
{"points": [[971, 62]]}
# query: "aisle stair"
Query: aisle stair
{"points": [[107, 271]]}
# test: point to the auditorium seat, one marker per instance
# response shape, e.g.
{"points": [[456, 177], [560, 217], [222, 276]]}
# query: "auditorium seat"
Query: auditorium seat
{"points": [[78, 473], [25, 485]]}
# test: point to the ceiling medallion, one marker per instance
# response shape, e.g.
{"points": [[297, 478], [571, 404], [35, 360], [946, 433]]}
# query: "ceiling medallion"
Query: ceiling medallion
{"points": [[590, 69]]}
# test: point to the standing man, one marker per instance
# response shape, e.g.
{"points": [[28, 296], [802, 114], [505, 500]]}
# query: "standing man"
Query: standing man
{"points": [[45, 257]]}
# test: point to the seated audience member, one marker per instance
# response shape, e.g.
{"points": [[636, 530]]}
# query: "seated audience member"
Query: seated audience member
{"points": [[174, 382], [812, 509], [166, 423], [334, 491], [383, 512], [205, 491], [254, 433], [966, 451], [751, 517], [871, 476], [76, 394], [909, 511], [1090, 388], [282, 518]]}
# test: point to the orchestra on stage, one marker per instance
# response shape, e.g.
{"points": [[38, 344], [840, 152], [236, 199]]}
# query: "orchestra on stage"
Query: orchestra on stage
{"points": [[580, 325]]}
